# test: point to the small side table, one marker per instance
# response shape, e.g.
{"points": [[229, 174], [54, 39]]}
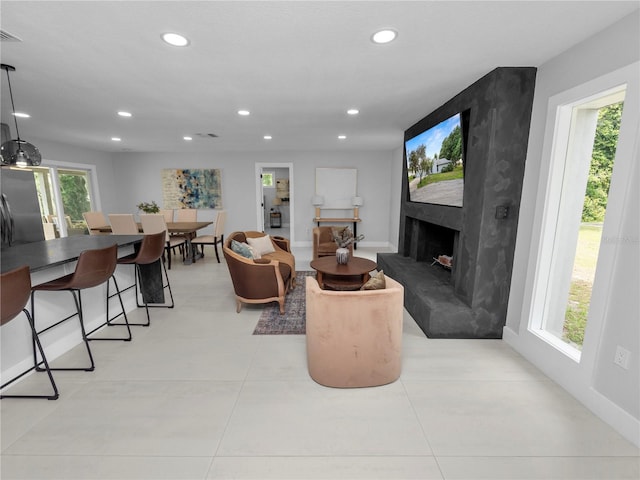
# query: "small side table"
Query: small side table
{"points": [[275, 220]]}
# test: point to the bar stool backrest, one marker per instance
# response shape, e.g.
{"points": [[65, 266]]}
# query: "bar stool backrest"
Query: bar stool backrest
{"points": [[15, 288], [152, 248], [94, 267]]}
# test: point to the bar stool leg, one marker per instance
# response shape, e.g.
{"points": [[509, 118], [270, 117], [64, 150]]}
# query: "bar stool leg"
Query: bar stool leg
{"points": [[78, 303], [108, 321], [36, 341]]}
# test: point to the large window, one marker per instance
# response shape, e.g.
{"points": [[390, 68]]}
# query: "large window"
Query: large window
{"points": [[65, 193], [583, 159]]}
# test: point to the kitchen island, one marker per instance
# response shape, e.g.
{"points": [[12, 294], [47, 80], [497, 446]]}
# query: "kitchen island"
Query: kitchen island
{"points": [[51, 259]]}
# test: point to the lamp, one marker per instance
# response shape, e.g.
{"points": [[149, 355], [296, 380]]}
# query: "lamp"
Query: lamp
{"points": [[317, 201], [17, 152], [276, 203], [356, 202]]}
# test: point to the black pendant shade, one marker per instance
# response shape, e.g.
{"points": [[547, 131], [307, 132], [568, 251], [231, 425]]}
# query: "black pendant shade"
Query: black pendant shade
{"points": [[17, 152]]}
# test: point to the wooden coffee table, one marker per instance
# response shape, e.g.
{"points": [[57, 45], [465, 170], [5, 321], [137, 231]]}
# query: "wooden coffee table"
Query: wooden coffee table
{"points": [[334, 276]]}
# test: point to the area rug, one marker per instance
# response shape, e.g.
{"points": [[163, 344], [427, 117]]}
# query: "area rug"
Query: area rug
{"points": [[292, 321]]}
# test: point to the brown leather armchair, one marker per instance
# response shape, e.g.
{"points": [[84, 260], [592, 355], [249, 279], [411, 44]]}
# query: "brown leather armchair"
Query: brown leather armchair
{"points": [[263, 280], [323, 244]]}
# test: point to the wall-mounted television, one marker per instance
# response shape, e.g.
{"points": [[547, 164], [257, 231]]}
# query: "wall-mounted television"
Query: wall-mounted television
{"points": [[435, 163]]}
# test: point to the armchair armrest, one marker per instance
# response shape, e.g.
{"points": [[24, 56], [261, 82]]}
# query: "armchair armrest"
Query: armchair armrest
{"points": [[282, 242]]}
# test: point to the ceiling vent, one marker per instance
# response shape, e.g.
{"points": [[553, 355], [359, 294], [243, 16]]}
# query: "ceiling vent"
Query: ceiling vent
{"points": [[8, 37], [206, 135]]}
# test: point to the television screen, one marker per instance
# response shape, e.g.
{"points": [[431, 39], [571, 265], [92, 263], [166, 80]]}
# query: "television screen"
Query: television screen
{"points": [[435, 164]]}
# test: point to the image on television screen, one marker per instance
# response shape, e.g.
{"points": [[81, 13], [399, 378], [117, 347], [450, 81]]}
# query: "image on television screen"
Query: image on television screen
{"points": [[435, 164]]}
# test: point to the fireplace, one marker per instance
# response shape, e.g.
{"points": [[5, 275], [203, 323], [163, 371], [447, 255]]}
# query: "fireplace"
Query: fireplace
{"points": [[429, 241], [470, 300]]}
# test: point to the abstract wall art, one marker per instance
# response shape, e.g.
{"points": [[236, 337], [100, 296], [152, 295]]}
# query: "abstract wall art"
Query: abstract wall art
{"points": [[191, 188]]}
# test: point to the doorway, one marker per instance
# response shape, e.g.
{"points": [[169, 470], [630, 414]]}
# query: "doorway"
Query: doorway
{"points": [[274, 199]]}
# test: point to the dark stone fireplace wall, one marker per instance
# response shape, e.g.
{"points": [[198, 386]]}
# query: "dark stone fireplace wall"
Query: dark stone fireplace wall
{"points": [[471, 301]]}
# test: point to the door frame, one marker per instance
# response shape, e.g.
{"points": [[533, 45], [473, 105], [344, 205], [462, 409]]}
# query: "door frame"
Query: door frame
{"points": [[260, 166]]}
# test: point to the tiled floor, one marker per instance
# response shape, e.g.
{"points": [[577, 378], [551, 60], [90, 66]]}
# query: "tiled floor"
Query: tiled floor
{"points": [[197, 396]]}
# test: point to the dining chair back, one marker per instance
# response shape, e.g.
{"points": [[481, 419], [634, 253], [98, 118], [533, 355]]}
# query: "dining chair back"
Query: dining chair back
{"points": [[186, 215], [94, 221], [123, 224], [15, 288], [168, 215]]}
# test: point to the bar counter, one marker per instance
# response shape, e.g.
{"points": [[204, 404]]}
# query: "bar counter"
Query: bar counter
{"points": [[51, 253]]}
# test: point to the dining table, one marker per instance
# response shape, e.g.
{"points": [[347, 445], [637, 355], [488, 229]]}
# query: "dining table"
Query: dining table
{"points": [[187, 229]]}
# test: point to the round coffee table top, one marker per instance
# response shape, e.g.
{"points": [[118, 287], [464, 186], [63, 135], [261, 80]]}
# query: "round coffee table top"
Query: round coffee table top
{"points": [[355, 266]]}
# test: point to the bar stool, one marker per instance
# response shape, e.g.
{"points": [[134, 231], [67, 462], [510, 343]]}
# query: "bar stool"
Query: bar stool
{"points": [[15, 288], [94, 267], [151, 250]]}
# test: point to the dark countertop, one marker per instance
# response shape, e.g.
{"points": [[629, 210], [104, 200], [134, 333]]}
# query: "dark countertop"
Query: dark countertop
{"points": [[49, 253]]}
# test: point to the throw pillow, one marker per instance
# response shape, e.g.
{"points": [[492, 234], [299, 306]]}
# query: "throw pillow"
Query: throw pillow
{"points": [[241, 249], [376, 282], [261, 245]]}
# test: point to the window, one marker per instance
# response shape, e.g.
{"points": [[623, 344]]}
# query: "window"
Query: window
{"points": [[268, 179], [65, 193], [583, 155]]}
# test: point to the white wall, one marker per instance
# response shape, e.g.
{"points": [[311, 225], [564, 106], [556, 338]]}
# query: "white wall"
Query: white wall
{"points": [[107, 181], [139, 177], [612, 393]]}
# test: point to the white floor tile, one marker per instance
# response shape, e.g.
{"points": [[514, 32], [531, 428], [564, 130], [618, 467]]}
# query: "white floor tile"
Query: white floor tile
{"points": [[303, 418], [323, 468], [510, 418], [103, 467], [538, 468]]}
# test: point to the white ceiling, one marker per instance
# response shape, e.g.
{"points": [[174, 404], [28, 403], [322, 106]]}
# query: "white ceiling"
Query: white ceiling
{"points": [[296, 65]]}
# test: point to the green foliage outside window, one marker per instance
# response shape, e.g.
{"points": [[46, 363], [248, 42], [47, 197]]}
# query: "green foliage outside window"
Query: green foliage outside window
{"points": [[75, 196], [604, 152]]}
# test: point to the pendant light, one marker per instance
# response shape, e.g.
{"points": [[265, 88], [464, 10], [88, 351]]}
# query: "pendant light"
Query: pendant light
{"points": [[18, 152]]}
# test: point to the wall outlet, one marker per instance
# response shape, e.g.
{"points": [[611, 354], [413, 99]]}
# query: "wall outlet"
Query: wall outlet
{"points": [[622, 357]]}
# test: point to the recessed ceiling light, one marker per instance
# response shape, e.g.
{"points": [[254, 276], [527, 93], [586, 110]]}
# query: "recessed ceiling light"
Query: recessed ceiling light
{"points": [[124, 114], [175, 39], [353, 111], [22, 115], [244, 113], [342, 137], [384, 36], [267, 137], [116, 139], [187, 138]]}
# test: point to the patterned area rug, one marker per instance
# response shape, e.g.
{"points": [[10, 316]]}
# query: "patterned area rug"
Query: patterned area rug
{"points": [[292, 322]]}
